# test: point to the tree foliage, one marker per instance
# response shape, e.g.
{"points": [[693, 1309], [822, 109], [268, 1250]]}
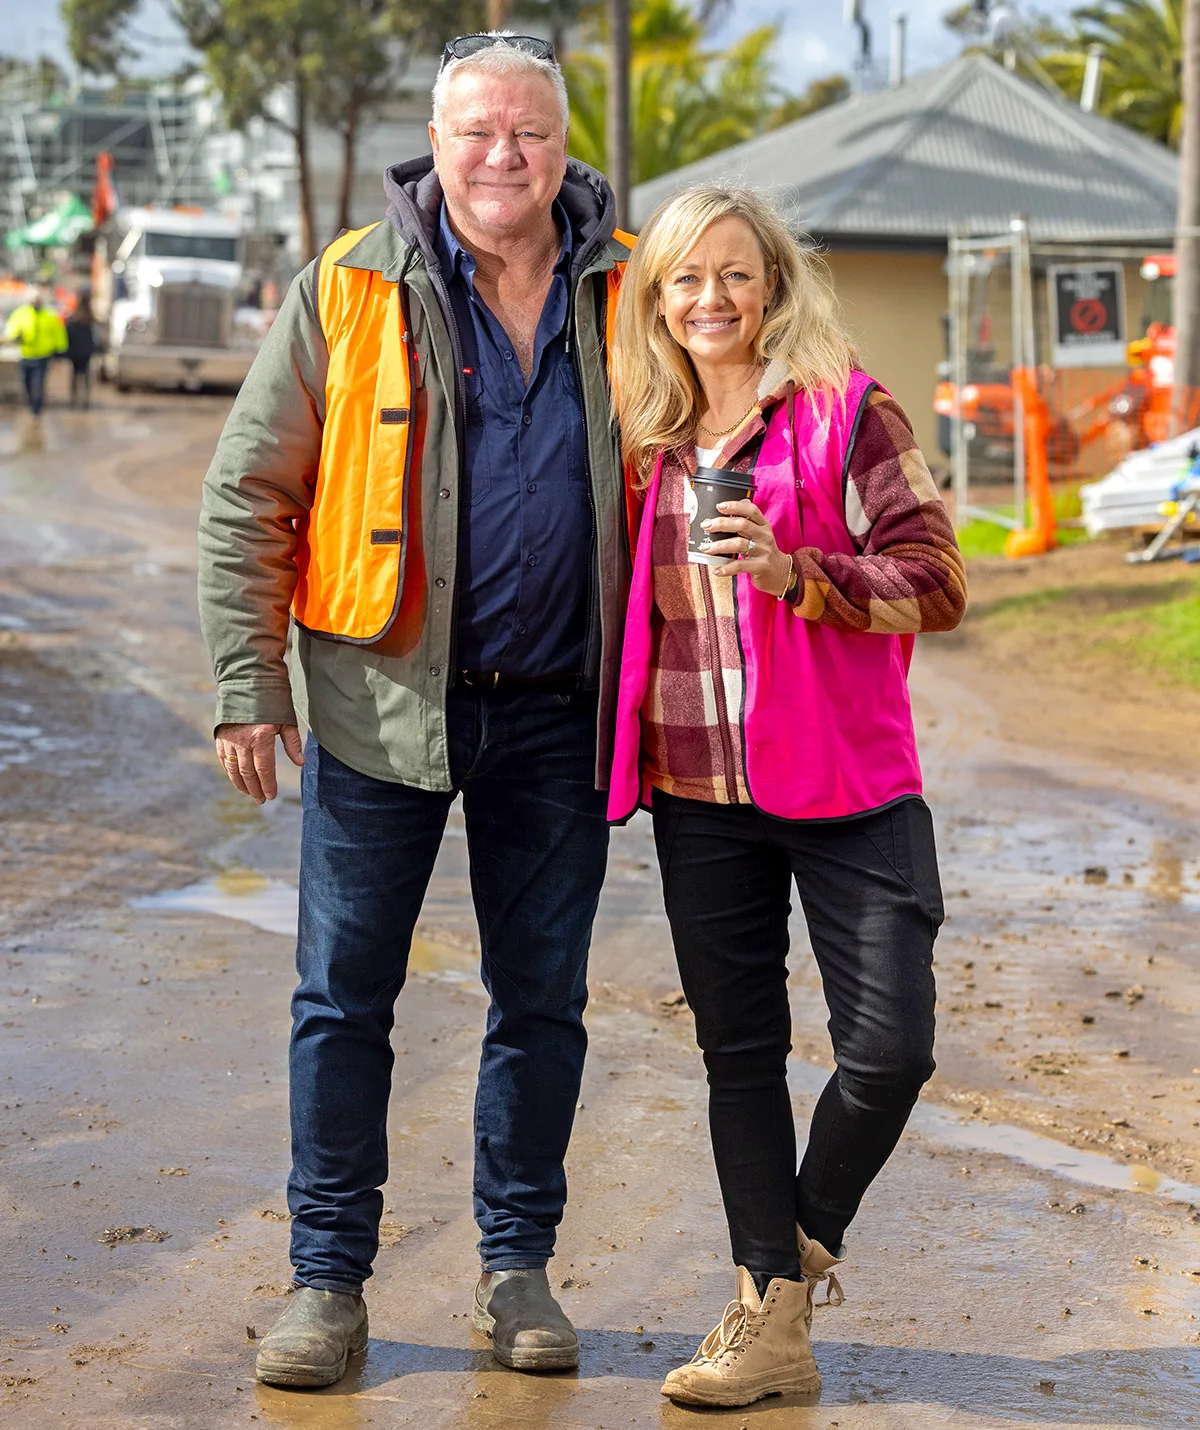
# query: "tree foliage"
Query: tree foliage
{"points": [[1141, 60], [366, 58], [287, 62], [1141, 55], [44, 76], [686, 100], [821, 93], [97, 34]]}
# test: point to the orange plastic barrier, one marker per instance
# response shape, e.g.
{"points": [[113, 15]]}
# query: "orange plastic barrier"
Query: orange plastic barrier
{"points": [[1040, 538]]}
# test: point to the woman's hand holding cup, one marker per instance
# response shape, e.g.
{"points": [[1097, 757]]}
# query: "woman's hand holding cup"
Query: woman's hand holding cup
{"points": [[747, 534]]}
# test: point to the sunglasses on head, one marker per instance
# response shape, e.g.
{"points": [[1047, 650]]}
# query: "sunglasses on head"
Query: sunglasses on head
{"points": [[466, 45]]}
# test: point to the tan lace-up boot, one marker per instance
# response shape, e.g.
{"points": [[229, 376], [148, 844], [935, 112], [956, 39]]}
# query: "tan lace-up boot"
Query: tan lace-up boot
{"points": [[760, 1348], [817, 1265]]}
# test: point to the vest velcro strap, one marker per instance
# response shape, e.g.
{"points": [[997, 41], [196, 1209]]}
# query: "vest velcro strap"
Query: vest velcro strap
{"points": [[385, 536], [393, 414]]}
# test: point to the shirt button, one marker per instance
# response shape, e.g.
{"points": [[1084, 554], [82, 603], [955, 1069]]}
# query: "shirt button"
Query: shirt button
{"points": [[435, 670], [532, 487], [527, 419], [532, 561], [440, 582], [522, 630], [508, 357], [444, 493]]}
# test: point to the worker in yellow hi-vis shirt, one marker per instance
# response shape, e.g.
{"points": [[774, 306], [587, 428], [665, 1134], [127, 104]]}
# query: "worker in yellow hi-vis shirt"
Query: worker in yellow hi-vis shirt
{"points": [[42, 335]]}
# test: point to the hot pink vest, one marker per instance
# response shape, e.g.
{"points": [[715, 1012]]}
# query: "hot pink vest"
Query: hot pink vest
{"points": [[826, 727]]}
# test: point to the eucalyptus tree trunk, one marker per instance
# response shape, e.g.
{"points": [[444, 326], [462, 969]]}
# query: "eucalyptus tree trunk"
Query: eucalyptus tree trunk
{"points": [[308, 238], [350, 128]]}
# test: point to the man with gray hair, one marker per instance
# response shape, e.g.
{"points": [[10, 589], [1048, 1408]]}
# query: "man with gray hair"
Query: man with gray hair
{"points": [[421, 470]]}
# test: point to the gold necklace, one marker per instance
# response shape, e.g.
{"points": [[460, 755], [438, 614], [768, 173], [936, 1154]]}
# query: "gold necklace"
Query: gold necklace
{"points": [[725, 431]]}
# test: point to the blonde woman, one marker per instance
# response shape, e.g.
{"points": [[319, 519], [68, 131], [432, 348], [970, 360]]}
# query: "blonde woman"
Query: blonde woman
{"points": [[763, 717]]}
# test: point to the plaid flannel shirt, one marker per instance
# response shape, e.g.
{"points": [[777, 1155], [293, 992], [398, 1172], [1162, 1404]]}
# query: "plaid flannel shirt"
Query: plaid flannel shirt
{"points": [[907, 575]]}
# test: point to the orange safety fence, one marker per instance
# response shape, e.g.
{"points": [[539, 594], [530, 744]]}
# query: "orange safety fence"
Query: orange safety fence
{"points": [[1081, 423], [1097, 416]]}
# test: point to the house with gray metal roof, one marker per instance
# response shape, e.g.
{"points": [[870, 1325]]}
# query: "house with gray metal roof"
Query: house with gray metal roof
{"points": [[879, 181], [962, 147]]}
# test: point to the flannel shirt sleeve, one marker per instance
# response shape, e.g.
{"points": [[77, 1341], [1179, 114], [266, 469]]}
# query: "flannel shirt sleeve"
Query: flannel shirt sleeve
{"points": [[907, 573]]}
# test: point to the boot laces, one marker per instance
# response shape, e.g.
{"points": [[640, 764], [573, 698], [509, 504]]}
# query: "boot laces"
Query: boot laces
{"points": [[834, 1295], [728, 1335]]}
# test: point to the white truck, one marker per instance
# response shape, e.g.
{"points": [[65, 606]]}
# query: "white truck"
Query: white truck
{"points": [[179, 311]]}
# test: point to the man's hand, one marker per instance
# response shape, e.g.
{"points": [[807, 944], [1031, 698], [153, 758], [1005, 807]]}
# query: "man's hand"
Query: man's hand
{"points": [[247, 755]]}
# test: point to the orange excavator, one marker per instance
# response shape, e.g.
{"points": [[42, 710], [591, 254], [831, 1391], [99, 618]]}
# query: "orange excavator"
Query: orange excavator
{"points": [[1152, 358]]}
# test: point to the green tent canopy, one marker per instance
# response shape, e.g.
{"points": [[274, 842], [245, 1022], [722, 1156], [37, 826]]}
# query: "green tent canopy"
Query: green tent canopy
{"points": [[57, 229]]}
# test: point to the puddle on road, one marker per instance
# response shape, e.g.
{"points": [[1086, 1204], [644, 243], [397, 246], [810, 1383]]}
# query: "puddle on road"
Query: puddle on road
{"points": [[268, 904], [22, 744], [1090, 1168], [273, 905]]}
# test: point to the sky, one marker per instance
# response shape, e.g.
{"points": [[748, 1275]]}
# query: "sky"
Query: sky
{"points": [[814, 40]]}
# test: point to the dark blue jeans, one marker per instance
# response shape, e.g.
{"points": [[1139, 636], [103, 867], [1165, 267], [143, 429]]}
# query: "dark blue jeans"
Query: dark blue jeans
{"points": [[33, 370], [538, 843]]}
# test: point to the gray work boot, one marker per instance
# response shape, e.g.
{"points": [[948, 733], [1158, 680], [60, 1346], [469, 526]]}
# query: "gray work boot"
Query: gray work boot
{"points": [[528, 1328], [309, 1343]]}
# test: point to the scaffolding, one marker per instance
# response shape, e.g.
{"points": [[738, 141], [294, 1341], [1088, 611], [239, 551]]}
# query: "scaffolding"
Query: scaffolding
{"points": [[49, 143]]}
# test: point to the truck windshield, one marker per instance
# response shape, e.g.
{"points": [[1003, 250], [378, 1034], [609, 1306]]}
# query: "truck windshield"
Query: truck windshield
{"points": [[191, 245]]}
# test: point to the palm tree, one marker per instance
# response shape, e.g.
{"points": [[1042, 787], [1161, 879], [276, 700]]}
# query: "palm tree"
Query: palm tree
{"points": [[1141, 47], [686, 101]]}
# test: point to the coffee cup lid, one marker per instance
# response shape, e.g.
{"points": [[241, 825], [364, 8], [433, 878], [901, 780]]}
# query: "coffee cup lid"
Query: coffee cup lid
{"points": [[723, 477]]}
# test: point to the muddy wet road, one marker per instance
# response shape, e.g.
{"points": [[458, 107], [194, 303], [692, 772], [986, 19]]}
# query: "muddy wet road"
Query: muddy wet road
{"points": [[1030, 1256]]}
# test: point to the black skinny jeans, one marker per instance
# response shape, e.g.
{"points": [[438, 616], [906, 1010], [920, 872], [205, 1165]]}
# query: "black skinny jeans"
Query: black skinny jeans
{"points": [[871, 896]]}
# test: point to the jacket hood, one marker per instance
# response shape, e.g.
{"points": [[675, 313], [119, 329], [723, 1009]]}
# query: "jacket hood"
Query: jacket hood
{"points": [[414, 196]]}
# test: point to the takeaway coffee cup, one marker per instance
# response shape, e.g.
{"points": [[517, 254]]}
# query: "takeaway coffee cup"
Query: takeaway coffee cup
{"points": [[710, 486]]}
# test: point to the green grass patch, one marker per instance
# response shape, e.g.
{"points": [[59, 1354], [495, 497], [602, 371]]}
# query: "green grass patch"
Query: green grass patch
{"points": [[1165, 635], [987, 538], [981, 538], [1153, 628]]}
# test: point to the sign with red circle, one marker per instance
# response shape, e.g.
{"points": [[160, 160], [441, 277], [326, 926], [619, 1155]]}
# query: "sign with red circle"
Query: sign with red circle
{"points": [[1087, 312], [1089, 315]]}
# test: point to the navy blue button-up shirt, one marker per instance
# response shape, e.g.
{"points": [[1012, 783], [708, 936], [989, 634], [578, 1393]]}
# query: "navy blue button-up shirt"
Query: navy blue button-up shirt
{"points": [[525, 530]]}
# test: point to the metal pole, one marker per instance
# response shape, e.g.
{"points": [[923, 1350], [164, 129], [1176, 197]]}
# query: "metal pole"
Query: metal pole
{"points": [[1091, 79], [162, 157], [897, 58], [617, 112], [1017, 270], [958, 373], [1187, 224]]}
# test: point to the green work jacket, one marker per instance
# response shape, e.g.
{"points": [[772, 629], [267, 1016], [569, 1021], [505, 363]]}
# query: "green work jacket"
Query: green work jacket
{"points": [[381, 708]]}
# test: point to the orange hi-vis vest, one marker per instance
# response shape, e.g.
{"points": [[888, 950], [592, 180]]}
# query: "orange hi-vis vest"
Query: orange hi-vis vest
{"points": [[351, 541]]}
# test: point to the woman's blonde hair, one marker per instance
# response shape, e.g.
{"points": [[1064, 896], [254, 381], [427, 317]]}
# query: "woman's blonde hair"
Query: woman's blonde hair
{"points": [[656, 394]]}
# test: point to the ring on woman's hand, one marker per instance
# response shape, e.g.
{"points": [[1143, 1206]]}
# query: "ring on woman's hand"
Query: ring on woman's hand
{"points": [[749, 546]]}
